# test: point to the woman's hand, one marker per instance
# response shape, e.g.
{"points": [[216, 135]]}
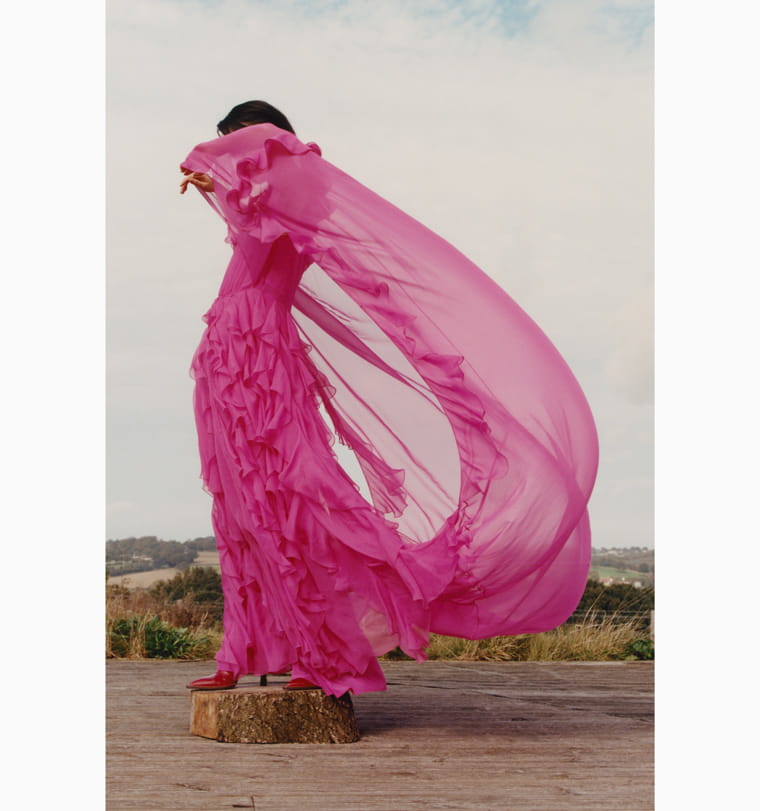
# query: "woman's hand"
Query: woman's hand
{"points": [[197, 179]]}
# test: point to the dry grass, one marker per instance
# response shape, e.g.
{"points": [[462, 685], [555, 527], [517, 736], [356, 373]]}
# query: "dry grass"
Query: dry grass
{"points": [[133, 619], [121, 602], [595, 639]]}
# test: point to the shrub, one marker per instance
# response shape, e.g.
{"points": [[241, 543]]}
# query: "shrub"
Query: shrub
{"points": [[622, 598], [141, 625], [642, 648], [153, 638], [198, 585], [182, 613]]}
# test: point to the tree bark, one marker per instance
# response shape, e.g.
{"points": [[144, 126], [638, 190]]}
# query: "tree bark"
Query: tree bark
{"points": [[272, 715]]}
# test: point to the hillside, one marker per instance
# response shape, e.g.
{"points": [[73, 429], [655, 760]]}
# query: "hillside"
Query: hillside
{"points": [[140, 562], [629, 565], [148, 553]]}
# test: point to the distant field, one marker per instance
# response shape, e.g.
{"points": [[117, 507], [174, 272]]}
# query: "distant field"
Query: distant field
{"points": [[622, 574], [207, 557], [143, 580]]}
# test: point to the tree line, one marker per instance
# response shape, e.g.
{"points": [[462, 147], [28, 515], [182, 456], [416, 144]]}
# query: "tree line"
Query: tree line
{"points": [[129, 555], [203, 585], [635, 558]]}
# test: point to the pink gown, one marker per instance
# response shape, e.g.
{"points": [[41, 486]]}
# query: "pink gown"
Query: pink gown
{"points": [[341, 316]]}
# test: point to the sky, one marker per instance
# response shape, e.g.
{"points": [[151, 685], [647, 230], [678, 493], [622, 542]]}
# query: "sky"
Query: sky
{"points": [[521, 132]]}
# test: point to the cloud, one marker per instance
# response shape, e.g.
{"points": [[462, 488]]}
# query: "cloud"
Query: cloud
{"points": [[630, 364]]}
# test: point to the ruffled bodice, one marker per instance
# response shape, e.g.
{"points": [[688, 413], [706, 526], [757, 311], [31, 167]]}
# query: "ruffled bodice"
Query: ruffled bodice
{"points": [[274, 269]]}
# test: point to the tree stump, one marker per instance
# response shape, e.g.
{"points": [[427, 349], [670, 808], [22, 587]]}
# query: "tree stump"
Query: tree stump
{"points": [[272, 715]]}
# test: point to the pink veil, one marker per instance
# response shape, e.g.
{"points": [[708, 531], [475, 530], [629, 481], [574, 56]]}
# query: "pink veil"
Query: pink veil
{"points": [[470, 429]]}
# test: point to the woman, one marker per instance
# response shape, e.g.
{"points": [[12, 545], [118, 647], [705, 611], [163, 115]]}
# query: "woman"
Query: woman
{"points": [[474, 439]]}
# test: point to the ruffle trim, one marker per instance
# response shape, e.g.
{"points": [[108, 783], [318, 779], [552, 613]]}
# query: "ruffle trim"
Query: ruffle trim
{"points": [[244, 198]]}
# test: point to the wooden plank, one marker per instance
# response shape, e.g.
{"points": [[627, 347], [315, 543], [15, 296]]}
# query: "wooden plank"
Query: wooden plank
{"points": [[501, 736]]}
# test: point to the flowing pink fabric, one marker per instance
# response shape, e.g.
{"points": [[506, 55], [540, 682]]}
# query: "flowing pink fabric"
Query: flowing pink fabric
{"points": [[476, 442]]}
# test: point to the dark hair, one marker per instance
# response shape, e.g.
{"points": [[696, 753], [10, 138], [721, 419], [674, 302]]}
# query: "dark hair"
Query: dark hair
{"points": [[253, 112]]}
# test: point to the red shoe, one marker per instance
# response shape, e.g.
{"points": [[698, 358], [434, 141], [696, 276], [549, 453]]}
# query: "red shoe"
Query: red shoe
{"points": [[221, 680], [301, 684]]}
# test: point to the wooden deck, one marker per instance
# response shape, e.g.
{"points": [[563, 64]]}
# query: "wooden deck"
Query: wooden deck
{"points": [[512, 736]]}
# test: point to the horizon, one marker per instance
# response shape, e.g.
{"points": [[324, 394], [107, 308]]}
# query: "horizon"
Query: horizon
{"points": [[208, 537]]}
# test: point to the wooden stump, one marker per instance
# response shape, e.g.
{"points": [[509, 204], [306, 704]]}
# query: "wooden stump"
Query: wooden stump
{"points": [[272, 715]]}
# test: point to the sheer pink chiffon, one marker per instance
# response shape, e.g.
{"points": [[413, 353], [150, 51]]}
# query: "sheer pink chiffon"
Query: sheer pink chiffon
{"points": [[339, 315]]}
